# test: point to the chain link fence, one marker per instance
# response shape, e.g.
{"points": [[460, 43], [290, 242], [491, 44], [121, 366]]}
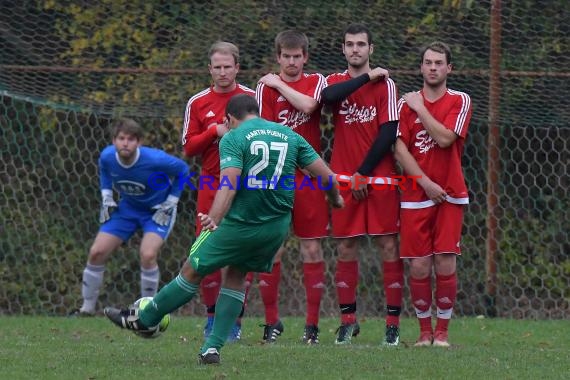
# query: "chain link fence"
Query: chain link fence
{"points": [[68, 69]]}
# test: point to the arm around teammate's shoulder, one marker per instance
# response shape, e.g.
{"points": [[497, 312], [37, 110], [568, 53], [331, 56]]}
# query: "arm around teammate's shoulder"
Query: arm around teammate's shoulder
{"points": [[340, 91]]}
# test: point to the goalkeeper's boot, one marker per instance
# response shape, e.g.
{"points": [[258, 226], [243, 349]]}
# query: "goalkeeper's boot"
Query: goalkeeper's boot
{"points": [[209, 326], [392, 337], [311, 335], [272, 332], [75, 313], [345, 332], [128, 319], [210, 356]]}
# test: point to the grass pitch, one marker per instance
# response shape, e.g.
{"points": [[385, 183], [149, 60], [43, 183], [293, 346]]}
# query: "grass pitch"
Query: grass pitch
{"points": [[92, 348]]}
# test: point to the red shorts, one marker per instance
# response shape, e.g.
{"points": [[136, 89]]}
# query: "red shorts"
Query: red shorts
{"points": [[376, 215], [431, 230], [310, 209]]}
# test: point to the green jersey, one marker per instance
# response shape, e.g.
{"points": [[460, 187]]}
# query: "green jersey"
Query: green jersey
{"points": [[267, 154]]}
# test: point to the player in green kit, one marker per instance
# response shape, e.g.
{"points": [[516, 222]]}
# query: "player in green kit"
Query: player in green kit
{"points": [[248, 221]]}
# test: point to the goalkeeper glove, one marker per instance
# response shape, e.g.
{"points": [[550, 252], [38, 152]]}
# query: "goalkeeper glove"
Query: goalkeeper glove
{"points": [[107, 205], [165, 210]]}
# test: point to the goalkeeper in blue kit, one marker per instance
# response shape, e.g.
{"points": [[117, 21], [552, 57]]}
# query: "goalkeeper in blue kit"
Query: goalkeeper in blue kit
{"points": [[246, 225], [149, 183]]}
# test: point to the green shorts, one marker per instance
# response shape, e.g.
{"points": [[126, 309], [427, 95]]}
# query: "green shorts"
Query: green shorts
{"points": [[249, 248]]}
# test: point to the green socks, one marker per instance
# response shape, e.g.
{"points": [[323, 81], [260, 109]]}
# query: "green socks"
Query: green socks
{"points": [[179, 292], [228, 308], [175, 294]]}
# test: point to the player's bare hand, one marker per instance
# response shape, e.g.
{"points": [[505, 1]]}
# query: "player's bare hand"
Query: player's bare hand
{"points": [[221, 129], [271, 80], [414, 100], [359, 186], [435, 192], [360, 195], [207, 222], [378, 73], [336, 201]]}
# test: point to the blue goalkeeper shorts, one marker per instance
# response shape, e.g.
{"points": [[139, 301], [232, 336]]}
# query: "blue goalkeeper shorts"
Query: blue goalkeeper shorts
{"points": [[126, 220]]}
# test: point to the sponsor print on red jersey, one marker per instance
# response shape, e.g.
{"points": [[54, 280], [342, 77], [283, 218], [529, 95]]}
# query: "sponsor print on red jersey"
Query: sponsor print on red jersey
{"points": [[441, 165], [275, 107], [357, 121], [202, 111]]}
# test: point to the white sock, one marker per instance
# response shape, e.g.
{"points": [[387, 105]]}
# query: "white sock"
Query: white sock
{"points": [[149, 281], [92, 281]]}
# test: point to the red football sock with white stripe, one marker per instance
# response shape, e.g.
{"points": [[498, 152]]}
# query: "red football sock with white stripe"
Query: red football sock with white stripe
{"points": [[420, 290], [445, 295], [393, 284], [346, 281], [314, 281], [269, 289]]}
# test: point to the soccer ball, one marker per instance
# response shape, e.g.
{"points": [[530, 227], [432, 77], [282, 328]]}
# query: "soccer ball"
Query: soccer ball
{"points": [[141, 303]]}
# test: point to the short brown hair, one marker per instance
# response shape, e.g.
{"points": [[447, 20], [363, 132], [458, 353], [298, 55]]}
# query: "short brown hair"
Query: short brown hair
{"points": [[241, 105], [291, 39], [438, 47], [224, 48], [357, 28], [129, 127]]}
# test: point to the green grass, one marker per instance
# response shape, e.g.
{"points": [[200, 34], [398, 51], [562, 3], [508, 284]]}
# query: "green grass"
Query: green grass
{"points": [[91, 348]]}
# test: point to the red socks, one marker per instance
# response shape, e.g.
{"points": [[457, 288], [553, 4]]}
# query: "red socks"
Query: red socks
{"points": [[445, 295], [314, 281], [393, 285], [209, 291], [420, 289], [346, 281], [269, 289]]}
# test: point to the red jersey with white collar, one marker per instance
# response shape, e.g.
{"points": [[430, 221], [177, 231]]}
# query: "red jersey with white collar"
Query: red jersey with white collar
{"points": [[357, 121], [275, 107], [199, 136], [441, 165]]}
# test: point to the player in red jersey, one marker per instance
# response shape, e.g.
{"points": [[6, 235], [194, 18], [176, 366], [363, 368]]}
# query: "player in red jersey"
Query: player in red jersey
{"points": [[365, 117], [292, 98], [204, 125], [431, 135]]}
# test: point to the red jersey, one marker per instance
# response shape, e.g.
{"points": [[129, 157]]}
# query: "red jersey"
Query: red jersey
{"points": [[204, 109], [274, 107], [357, 121], [441, 165]]}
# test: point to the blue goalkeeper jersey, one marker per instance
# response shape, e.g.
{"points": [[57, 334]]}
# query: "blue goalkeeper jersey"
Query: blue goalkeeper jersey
{"points": [[148, 181]]}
